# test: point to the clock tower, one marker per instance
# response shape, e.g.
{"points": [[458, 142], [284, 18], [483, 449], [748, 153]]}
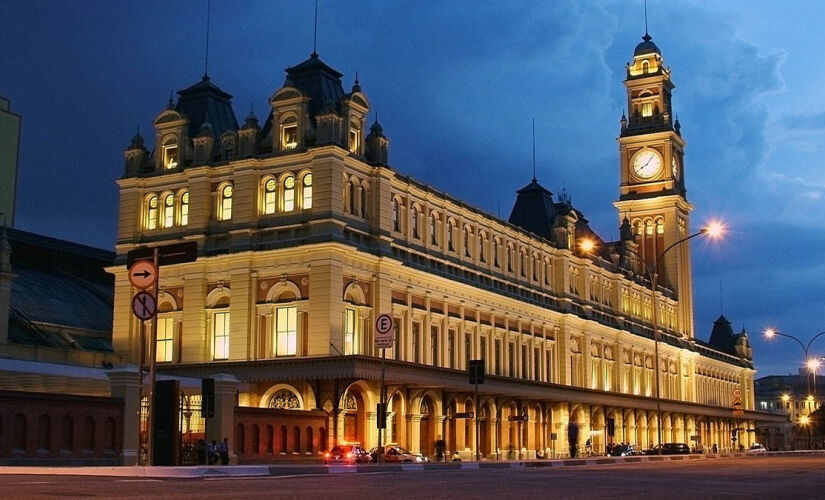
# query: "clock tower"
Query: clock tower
{"points": [[652, 192]]}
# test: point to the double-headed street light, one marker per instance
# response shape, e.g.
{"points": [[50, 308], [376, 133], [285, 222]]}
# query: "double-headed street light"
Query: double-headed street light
{"points": [[812, 363], [714, 230]]}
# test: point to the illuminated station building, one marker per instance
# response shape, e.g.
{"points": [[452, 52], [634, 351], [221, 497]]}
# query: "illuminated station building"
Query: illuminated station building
{"points": [[306, 233]]}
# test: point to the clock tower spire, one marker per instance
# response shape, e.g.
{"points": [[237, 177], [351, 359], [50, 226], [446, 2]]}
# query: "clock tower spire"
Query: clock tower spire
{"points": [[652, 193]]}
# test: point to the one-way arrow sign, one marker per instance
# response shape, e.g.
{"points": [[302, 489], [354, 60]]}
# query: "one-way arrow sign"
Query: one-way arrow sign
{"points": [[143, 274]]}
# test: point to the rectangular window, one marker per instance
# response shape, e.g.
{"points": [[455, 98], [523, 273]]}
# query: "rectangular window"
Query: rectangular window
{"points": [[152, 216], [536, 364], [307, 203], [354, 134], [483, 351], [416, 342], [350, 346], [434, 344], [170, 156], [511, 360], [289, 137], [451, 349], [165, 340], [647, 109], [286, 331], [289, 199], [168, 215], [468, 351], [220, 336], [184, 209], [548, 373], [498, 357]]}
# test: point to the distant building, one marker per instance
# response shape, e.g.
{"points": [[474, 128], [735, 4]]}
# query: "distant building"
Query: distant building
{"points": [[796, 396], [9, 152]]}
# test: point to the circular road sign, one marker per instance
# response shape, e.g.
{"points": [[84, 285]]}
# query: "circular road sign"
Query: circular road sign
{"points": [[383, 324], [737, 393], [143, 305], [143, 274]]}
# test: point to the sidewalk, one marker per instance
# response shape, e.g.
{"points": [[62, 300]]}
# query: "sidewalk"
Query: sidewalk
{"points": [[196, 472]]}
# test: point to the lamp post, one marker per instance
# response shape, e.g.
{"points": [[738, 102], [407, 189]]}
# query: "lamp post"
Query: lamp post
{"points": [[811, 363], [714, 230]]}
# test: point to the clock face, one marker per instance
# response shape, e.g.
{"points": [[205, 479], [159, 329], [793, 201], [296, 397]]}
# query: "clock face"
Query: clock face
{"points": [[674, 163], [647, 163]]}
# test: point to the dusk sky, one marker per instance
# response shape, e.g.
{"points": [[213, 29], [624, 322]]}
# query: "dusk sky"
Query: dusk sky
{"points": [[456, 85]]}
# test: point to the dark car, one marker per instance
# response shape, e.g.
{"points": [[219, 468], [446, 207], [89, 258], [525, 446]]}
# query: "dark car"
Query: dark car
{"points": [[670, 449], [624, 450]]}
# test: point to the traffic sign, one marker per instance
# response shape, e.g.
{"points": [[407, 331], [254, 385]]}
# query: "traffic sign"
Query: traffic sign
{"points": [[384, 333], [143, 274], [143, 305], [736, 393]]}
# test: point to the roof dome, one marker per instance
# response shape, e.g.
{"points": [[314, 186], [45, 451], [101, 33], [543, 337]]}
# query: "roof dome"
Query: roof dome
{"points": [[646, 47]]}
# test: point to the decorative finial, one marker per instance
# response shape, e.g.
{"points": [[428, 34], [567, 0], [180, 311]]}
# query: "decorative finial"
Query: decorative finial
{"points": [[356, 86], [315, 33], [171, 103], [534, 149], [206, 52], [646, 37]]}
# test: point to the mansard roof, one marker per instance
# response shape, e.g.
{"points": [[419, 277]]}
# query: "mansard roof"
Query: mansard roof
{"points": [[534, 210], [318, 81], [205, 102]]}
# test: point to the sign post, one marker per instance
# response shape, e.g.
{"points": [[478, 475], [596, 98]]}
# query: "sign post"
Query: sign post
{"points": [[384, 336], [144, 273], [476, 368]]}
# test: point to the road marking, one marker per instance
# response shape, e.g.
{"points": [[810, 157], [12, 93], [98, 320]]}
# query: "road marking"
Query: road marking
{"points": [[138, 480]]}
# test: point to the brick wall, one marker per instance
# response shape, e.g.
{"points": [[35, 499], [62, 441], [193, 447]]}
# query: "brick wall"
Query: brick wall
{"points": [[266, 435], [56, 429]]}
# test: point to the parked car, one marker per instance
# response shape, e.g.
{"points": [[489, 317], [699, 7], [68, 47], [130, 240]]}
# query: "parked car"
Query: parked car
{"points": [[395, 454], [670, 449], [756, 449], [347, 454], [624, 450]]}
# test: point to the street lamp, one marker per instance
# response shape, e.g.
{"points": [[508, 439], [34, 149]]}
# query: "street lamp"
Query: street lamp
{"points": [[812, 364], [714, 230], [587, 245]]}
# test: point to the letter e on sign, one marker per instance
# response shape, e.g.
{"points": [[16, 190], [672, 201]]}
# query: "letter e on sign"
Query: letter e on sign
{"points": [[384, 332]]}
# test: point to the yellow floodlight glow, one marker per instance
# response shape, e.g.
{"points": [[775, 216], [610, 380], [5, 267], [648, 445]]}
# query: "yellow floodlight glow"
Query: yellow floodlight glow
{"points": [[587, 245], [804, 420]]}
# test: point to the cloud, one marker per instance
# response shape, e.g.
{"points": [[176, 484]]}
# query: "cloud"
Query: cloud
{"points": [[804, 121]]}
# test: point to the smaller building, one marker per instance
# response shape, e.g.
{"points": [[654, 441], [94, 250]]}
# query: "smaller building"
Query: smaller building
{"points": [[796, 396]]}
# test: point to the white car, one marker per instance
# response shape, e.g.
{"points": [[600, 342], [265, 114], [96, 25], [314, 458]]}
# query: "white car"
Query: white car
{"points": [[756, 449]]}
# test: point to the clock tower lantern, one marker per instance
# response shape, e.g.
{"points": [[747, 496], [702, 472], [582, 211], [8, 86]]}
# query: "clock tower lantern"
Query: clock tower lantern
{"points": [[652, 192]]}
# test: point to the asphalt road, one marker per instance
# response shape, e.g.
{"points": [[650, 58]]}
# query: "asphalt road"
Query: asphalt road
{"points": [[766, 477]]}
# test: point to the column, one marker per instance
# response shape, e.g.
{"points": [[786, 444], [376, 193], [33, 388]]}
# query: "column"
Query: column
{"points": [[414, 432], [223, 424], [193, 334], [124, 385], [241, 301]]}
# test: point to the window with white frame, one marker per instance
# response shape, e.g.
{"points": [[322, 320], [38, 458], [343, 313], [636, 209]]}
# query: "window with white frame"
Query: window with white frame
{"points": [[165, 340], [169, 210], [350, 346], [152, 212], [220, 335], [170, 156], [289, 194], [306, 194], [225, 203], [270, 196], [184, 208], [289, 134], [286, 331]]}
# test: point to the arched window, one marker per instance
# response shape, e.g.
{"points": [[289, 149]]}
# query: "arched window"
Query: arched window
{"points": [[415, 215], [289, 193], [450, 231], [496, 250], [645, 67], [19, 433], [169, 210], [152, 212], [225, 203], [433, 229], [270, 196], [466, 241], [509, 259], [44, 433], [364, 206], [306, 193], [184, 208], [396, 225], [289, 134]]}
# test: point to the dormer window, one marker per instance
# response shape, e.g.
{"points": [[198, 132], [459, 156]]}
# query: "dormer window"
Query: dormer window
{"points": [[354, 138], [170, 156], [289, 134]]}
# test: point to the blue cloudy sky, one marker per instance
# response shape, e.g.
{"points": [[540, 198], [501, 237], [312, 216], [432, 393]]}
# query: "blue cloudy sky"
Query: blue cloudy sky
{"points": [[456, 84]]}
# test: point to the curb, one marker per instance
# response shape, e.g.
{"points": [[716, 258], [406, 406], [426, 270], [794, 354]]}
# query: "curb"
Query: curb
{"points": [[239, 471]]}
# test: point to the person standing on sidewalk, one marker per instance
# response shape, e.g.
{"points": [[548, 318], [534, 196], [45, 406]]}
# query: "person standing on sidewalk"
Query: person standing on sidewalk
{"points": [[223, 450]]}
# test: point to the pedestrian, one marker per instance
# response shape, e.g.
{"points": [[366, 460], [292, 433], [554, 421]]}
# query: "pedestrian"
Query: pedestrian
{"points": [[223, 450], [572, 438], [588, 446], [440, 450], [200, 449], [714, 448], [212, 453]]}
